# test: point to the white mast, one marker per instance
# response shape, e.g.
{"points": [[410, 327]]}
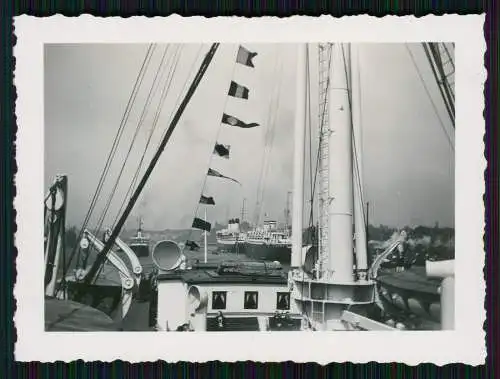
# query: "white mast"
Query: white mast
{"points": [[340, 207], [359, 215], [298, 157], [324, 293]]}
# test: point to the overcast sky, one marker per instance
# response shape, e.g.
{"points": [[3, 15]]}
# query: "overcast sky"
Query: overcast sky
{"points": [[87, 87]]}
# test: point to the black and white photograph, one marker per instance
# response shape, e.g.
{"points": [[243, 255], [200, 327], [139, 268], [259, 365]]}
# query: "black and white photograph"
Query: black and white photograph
{"points": [[266, 187]]}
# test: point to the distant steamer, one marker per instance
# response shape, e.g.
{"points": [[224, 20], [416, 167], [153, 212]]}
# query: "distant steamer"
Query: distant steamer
{"points": [[231, 239], [265, 242], [269, 243]]}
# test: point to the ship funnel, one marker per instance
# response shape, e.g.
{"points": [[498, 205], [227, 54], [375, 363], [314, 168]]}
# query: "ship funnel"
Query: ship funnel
{"points": [[167, 255], [197, 298]]}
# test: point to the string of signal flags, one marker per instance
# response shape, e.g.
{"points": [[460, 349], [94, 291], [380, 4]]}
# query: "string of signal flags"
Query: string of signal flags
{"points": [[236, 90]]}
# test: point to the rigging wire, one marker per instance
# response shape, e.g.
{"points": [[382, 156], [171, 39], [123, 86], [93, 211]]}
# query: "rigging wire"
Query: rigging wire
{"points": [[438, 56], [354, 147], [122, 125], [434, 107], [118, 138], [256, 214], [109, 243], [444, 90], [322, 119], [163, 95], [450, 59], [152, 129], [138, 126], [361, 199], [138, 80], [271, 132], [140, 123], [309, 107], [185, 87], [154, 87], [308, 120], [451, 84], [268, 137]]}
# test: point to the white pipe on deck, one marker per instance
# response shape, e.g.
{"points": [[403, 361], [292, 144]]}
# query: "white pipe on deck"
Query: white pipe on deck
{"points": [[341, 259], [445, 270], [440, 269], [448, 303], [298, 157]]}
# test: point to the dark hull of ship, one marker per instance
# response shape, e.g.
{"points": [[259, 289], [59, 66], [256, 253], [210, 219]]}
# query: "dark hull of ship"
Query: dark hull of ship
{"points": [[280, 253], [236, 248]]}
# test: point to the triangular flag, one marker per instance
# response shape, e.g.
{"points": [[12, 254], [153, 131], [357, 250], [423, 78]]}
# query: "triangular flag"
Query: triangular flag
{"points": [[207, 200], [231, 120], [222, 150], [212, 172], [237, 90], [245, 57], [198, 223]]}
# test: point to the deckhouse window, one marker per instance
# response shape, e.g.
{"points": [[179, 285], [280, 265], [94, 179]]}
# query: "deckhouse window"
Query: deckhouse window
{"points": [[251, 300], [283, 301], [219, 299]]}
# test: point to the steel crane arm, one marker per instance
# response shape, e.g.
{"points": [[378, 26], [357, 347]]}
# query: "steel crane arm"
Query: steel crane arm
{"points": [[390, 249]]}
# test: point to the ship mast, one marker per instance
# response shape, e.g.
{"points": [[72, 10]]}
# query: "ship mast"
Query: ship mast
{"points": [[443, 68], [323, 293], [139, 231], [243, 211], [340, 163]]}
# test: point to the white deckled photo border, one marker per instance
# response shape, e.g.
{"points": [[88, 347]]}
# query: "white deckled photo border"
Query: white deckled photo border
{"points": [[465, 344]]}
